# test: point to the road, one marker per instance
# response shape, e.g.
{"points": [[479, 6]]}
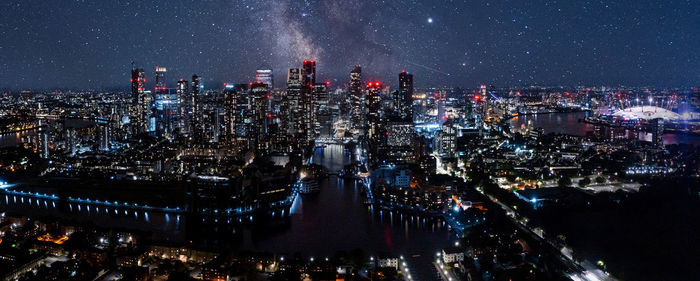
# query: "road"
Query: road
{"points": [[579, 270]]}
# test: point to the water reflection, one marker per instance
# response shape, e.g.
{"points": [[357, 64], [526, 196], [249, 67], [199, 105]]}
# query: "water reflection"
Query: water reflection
{"points": [[568, 123], [334, 219]]}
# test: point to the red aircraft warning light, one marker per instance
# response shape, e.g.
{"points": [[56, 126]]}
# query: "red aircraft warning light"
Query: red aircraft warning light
{"points": [[374, 84]]}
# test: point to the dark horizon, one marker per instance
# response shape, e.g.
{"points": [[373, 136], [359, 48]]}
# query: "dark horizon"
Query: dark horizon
{"points": [[335, 83]]}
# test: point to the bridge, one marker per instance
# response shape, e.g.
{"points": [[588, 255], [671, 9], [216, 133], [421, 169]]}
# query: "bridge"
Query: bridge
{"points": [[334, 140]]}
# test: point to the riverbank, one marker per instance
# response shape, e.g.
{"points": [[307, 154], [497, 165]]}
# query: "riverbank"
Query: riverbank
{"points": [[544, 113], [568, 123]]}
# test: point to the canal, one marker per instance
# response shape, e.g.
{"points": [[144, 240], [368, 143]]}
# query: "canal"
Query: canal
{"points": [[337, 219]]}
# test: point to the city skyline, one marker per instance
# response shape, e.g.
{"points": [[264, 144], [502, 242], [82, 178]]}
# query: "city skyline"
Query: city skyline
{"points": [[91, 45], [352, 140]]}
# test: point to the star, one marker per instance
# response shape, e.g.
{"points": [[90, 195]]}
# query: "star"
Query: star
{"points": [[430, 20]]}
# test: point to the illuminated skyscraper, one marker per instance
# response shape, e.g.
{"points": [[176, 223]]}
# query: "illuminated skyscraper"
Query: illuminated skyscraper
{"points": [[308, 72], [293, 103], [403, 102], [103, 129], [308, 80], [448, 138], [229, 134], [42, 140], [241, 110], [160, 80], [399, 124], [183, 100], [164, 107], [356, 98], [321, 114], [139, 103], [197, 126], [485, 108], [265, 76], [373, 113], [257, 128]]}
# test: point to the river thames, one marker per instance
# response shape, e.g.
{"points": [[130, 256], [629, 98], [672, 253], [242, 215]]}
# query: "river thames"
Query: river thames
{"points": [[568, 123]]}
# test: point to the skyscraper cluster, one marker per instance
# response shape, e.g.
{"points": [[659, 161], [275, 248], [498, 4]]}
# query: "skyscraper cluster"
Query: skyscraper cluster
{"points": [[257, 117]]}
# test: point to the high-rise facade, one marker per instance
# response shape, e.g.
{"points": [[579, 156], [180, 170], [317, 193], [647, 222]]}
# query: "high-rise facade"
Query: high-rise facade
{"points": [[265, 76], [448, 138], [160, 80], [241, 110], [163, 105], [293, 104], [356, 98], [403, 101], [321, 114], [139, 102], [196, 121], [373, 114], [257, 128], [308, 72], [230, 110], [183, 100], [399, 123], [308, 80]]}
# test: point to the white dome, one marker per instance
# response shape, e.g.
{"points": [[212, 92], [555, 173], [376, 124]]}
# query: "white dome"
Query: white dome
{"points": [[648, 113]]}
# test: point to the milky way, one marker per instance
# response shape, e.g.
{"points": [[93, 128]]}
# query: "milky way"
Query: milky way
{"points": [[89, 44]]}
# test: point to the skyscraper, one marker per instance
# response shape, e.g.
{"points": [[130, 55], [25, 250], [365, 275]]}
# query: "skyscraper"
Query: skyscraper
{"points": [[403, 102], [42, 140], [241, 110], [196, 127], [183, 100], [265, 76], [373, 113], [160, 80], [163, 105], [257, 128], [308, 80], [399, 126], [104, 134], [321, 114], [356, 98], [139, 107], [230, 110], [485, 108], [308, 70], [293, 103]]}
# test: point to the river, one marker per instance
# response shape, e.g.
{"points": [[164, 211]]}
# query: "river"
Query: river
{"points": [[318, 225], [568, 123]]}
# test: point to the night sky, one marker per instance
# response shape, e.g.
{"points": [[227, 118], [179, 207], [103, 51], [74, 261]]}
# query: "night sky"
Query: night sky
{"points": [[90, 44]]}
